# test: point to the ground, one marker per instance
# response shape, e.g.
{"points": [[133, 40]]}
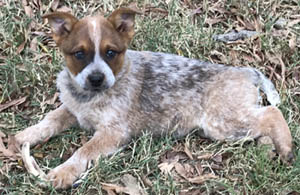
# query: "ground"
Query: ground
{"points": [[29, 63]]}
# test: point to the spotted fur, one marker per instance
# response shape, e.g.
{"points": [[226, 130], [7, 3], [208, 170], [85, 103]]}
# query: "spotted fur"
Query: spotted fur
{"points": [[159, 92]]}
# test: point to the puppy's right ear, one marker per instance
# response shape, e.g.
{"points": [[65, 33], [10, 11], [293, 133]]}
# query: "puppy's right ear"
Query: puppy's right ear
{"points": [[61, 24]]}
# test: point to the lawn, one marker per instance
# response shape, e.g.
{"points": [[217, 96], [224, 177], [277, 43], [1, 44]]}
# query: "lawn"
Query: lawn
{"points": [[29, 63]]}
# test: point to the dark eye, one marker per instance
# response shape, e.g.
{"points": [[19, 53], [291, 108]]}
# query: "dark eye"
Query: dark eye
{"points": [[110, 54], [79, 55]]}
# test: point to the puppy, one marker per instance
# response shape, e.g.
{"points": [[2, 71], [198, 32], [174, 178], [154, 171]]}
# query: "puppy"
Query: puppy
{"points": [[119, 92]]}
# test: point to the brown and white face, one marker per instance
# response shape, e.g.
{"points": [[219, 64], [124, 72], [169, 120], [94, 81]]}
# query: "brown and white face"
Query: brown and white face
{"points": [[94, 47]]}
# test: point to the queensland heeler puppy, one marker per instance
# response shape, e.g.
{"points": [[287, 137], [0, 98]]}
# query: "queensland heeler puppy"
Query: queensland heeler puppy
{"points": [[119, 92]]}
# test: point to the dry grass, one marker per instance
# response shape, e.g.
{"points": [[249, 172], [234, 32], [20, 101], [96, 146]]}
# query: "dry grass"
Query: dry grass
{"points": [[29, 63]]}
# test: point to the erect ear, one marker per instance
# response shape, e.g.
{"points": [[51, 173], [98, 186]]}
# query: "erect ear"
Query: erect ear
{"points": [[61, 24], [123, 21]]}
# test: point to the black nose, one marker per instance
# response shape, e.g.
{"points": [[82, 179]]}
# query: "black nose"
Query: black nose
{"points": [[96, 79]]}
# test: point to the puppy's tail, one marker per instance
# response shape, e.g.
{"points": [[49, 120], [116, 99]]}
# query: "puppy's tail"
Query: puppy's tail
{"points": [[267, 87]]}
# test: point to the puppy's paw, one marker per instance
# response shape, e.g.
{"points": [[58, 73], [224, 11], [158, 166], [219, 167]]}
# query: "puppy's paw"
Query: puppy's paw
{"points": [[63, 176]]}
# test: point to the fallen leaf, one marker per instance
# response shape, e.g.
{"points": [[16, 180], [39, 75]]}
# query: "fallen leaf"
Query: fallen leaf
{"points": [[24, 3], [202, 178], [54, 98], [54, 5], [172, 156], [108, 190], [12, 144], [6, 152], [181, 170], [131, 186], [205, 156], [293, 22], [33, 44], [64, 9], [199, 168], [166, 167], [212, 21], [38, 155], [2, 134], [292, 42], [49, 101], [147, 181], [197, 11], [12, 103], [83, 139], [188, 152], [21, 47], [28, 11], [190, 192], [111, 187], [217, 158]]}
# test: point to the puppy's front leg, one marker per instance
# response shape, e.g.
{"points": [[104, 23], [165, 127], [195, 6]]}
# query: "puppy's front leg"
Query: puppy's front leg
{"points": [[54, 122], [104, 142]]}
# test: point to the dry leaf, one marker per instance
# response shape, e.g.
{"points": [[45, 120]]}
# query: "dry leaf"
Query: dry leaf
{"points": [[205, 156], [12, 144], [54, 5], [202, 178], [181, 170], [110, 187], [21, 47], [33, 44], [188, 152], [28, 11], [54, 98], [155, 9], [64, 9], [293, 22], [166, 167], [12, 103], [108, 190], [292, 42], [24, 3], [217, 158], [83, 139], [38, 155], [49, 101], [197, 11], [212, 21], [2, 134], [199, 168], [147, 181], [190, 192], [220, 56], [131, 186], [6, 152]]}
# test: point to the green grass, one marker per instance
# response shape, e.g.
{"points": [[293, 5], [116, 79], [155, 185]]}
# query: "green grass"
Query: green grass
{"points": [[241, 167]]}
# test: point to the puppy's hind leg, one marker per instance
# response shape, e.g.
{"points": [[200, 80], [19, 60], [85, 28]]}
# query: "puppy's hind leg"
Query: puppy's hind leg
{"points": [[270, 122], [54, 122]]}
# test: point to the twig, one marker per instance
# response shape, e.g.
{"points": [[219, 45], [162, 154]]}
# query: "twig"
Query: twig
{"points": [[31, 165]]}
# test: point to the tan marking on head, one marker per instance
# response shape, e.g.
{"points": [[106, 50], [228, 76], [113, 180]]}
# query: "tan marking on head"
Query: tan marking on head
{"points": [[78, 40], [93, 36]]}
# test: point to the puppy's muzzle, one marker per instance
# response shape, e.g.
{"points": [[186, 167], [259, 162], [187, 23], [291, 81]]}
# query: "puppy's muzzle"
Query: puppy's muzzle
{"points": [[96, 79]]}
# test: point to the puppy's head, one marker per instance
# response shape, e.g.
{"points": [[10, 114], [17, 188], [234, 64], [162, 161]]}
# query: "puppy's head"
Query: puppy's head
{"points": [[94, 47]]}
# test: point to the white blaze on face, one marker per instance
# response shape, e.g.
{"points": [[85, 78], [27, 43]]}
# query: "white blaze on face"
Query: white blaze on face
{"points": [[98, 64]]}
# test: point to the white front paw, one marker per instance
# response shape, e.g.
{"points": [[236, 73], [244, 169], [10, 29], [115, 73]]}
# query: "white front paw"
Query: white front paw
{"points": [[63, 176]]}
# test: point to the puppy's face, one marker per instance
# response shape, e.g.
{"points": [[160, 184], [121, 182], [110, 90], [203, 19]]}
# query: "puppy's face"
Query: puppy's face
{"points": [[93, 47]]}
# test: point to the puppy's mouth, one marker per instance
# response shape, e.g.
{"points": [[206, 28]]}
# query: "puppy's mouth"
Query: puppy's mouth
{"points": [[96, 88]]}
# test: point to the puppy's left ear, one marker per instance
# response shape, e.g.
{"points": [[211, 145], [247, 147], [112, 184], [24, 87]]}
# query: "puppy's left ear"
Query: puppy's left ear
{"points": [[123, 20]]}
